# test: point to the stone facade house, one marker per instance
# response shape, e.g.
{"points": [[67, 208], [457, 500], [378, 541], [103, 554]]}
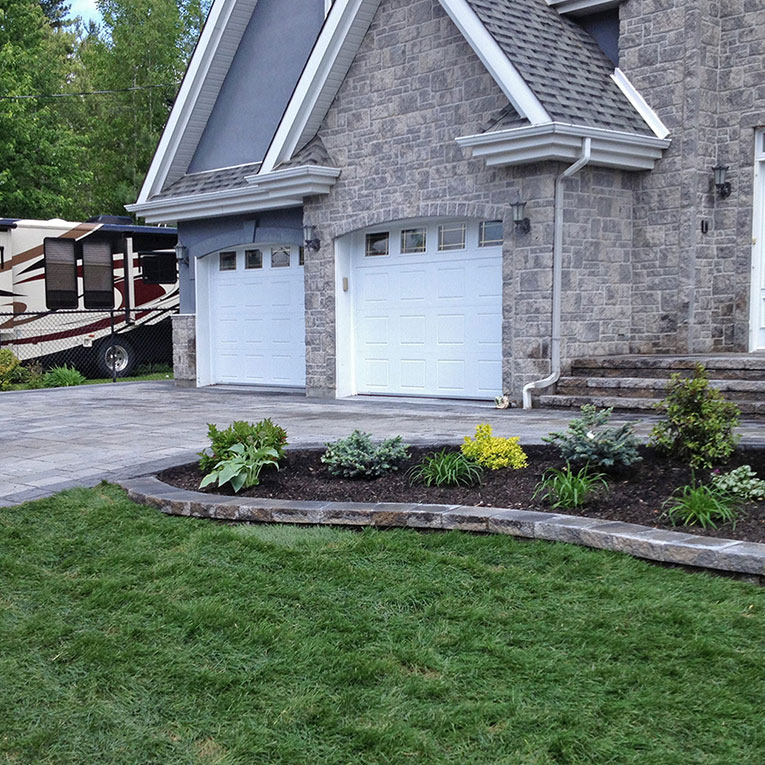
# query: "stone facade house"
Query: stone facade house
{"points": [[462, 197]]}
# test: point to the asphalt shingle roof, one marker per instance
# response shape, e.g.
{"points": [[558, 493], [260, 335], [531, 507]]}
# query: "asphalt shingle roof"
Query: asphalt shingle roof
{"points": [[210, 180], [560, 62]]}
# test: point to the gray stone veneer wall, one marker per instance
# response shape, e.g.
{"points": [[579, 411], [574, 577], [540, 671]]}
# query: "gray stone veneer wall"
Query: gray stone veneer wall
{"points": [[184, 350], [699, 65], [415, 86]]}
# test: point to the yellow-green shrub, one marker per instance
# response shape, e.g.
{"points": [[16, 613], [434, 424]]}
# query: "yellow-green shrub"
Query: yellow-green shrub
{"points": [[9, 365], [494, 452]]}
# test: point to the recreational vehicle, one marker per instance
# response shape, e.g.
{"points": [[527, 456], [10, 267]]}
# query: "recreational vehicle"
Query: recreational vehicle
{"points": [[97, 294]]}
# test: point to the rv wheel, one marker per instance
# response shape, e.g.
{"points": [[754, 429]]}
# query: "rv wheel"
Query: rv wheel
{"points": [[117, 356]]}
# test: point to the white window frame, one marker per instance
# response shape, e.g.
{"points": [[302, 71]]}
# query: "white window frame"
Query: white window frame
{"points": [[758, 241]]}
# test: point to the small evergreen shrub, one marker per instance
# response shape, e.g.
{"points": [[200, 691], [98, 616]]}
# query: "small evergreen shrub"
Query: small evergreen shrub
{"points": [[700, 504], [63, 377], [241, 466], [588, 440], [741, 483], [494, 452], [698, 424], [446, 468], [9, 365], [356, 456], [263, 434], [564, 488]]}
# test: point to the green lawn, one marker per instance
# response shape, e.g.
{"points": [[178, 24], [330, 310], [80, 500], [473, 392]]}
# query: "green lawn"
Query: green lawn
{"points": [[130, 637]]}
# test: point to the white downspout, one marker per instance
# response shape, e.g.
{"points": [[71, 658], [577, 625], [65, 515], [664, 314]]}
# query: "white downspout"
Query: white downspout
{"points": [[554, 375]]}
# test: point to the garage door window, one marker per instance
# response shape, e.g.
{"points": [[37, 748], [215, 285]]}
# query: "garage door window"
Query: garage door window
{"points": [[413, 240], [377, 244], [451, 237], [490, 233], [280, 257], [228, 261], [253, 259]]}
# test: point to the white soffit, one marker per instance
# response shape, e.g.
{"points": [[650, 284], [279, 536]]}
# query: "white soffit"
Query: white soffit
{"points": [[583, 6], [282, 188], [210, 62], [562, 142]]}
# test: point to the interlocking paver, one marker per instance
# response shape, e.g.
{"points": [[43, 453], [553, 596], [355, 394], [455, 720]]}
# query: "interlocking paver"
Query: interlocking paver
{"points": [[53, 439]]}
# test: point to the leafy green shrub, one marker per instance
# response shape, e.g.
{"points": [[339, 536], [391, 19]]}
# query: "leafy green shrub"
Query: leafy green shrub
{"points": [[62, 377], [9, 365], [446, 468], [741, 483], [494, 452], [241, 466], [699, 422], [589, 440], [700, 504], [564, 488], [30, 375], [357, 457], [259, 435]]}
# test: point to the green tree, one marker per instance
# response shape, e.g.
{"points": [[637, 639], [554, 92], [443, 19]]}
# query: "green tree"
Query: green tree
{"points": [[41, 157], [56, 11]]}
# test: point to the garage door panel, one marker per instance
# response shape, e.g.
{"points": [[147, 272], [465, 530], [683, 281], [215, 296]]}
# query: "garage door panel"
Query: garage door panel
{"points": [[258, 325], [451, 343]]}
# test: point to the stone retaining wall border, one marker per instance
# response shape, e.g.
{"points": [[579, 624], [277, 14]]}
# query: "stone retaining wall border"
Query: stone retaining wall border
{"points": [[640, 541]]}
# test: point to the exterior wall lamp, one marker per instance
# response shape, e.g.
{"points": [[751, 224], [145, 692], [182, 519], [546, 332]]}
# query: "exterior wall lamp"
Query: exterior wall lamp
{"points": [[522, 223], [181, 255], [311, 239], [723, 187]]}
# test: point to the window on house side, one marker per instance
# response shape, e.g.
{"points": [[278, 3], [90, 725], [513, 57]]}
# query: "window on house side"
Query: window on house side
{"points": [[253, 259], [490, 233], [60, 273], [280, 257], [413, 240], [227, 261], [377, 244], [451, 236]]}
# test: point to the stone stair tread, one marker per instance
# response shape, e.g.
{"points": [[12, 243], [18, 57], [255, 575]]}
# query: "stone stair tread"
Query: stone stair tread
{"points": [[657, 383], [629, 402]]}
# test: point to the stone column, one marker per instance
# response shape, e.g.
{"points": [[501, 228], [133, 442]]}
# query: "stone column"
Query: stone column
{"points": [[185, 350]]}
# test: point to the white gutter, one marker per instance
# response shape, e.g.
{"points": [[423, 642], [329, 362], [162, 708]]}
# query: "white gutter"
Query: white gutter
{"points": [[560, 182]]}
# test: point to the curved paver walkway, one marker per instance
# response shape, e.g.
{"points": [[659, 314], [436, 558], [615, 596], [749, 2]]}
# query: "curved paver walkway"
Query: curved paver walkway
{"points": [[56, 439], [640, 541]]}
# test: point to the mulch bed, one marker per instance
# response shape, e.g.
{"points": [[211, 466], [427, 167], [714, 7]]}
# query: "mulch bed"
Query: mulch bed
{"points": [[634, 496]]}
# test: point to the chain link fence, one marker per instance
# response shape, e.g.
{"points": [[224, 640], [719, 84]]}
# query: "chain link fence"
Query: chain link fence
{"points": [[100, 344]]}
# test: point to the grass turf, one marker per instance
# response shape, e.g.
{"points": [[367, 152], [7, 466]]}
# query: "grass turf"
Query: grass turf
{"points": [[130, 637]]}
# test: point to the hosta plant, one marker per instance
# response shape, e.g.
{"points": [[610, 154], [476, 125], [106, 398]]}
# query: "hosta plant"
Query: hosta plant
{"points": [[565, 488], [357, 456], [494, 452], [446, 468], [241, 466], [589, 440], [742, 482], [259, 435]]}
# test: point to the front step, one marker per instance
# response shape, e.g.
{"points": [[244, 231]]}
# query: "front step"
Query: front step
{"points": [[635, 403], [734, 366]]}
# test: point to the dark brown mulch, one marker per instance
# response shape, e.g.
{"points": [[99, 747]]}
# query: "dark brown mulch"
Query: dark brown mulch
{"points": [[634, 495]]}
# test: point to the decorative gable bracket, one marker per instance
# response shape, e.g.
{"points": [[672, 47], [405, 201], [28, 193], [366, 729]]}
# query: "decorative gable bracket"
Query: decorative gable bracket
{"points": [[278, 189], [557, 141]]}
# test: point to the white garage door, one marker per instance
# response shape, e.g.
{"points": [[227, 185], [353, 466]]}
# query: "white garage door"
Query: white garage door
{"points": [[258, 316], [428, 310]]}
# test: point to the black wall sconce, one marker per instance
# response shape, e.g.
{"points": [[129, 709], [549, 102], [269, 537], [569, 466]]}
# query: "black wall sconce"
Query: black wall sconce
{"points": [[722, 185], [522, 223], [181, 255], [311, 240]]}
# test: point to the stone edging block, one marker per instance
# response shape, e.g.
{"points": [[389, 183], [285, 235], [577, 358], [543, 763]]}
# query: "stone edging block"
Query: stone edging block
{"points": [[639, 541]]}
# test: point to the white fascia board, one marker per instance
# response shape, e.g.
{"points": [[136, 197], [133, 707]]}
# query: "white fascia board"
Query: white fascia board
{"points": [[563, 142], [284, 188], [639, 104], [496, 61], [583, 6], [192, 84], [312, 81]]}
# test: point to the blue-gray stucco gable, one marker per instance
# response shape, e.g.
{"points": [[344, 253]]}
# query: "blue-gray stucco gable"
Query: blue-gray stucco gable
{"points": [[259, 83]]}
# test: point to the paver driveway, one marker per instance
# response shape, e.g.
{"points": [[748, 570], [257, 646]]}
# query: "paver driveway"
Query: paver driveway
{"points": [[55, 439]]}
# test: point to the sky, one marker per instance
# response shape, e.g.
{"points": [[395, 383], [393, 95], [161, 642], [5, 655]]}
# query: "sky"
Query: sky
{"points": [[84, 8]]}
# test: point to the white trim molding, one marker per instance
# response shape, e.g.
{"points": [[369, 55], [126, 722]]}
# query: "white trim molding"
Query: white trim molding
{"points": [[757, 271], [281, 188], [562, 142], [583, 7], [639, 104]]}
